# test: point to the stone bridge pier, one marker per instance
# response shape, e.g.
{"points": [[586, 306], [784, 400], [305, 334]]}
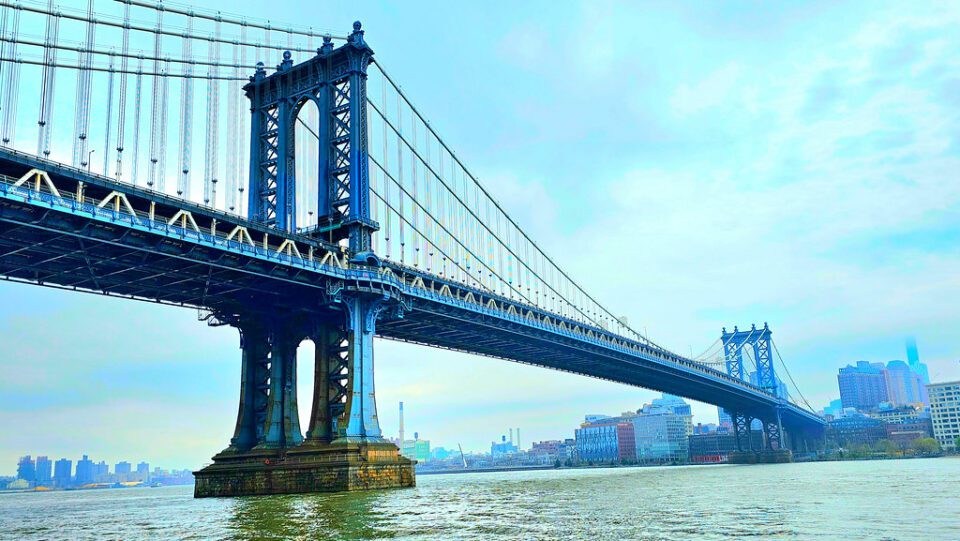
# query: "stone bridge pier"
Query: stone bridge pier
{"points": [[344, 448], [771, 447]]}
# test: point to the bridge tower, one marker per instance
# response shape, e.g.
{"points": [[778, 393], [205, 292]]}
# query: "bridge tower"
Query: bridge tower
{"points": [[759, 340], [344, 448]]}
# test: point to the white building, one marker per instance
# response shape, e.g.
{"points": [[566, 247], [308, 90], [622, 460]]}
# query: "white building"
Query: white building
{"points": [[945, 412]]}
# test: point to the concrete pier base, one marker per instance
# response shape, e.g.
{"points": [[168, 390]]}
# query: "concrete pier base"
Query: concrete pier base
{"points": [[335, 467], [765, 456]]}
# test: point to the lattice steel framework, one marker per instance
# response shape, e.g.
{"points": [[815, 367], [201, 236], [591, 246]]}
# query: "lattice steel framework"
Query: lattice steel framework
{"points": [[335, 80], [759, 340]]}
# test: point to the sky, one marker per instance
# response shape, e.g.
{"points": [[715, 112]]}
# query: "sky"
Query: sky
{"points": [[694, 165]]}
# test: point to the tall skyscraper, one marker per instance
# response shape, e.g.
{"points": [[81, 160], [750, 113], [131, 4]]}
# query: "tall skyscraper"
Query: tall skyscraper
{"points": [[945, 412], [85, 471], [61, 473], [122, 468], [100, 471], [143, 471], [44, 471], [675, 405], [26, 469], [863, 386], [401, 427], [904, 386], [913, 360], [662, 429]]}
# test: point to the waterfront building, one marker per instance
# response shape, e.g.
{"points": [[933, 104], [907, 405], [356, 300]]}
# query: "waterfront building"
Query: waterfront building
{"points": [[676, 405], [44, 472], [61, 473], [442, 453], [835, 409], [122, 468], [894, 415], [143, 471], [855, 428], [711, 447], [905, 433], [553, 450], [863, 386], [661, 436], [26, 469], [904, 386], [708, 428], [502, 448], [85, 471], [724, 418], [945, 412], [913, 360], [101, 472], [416, 448], [606, 440]]}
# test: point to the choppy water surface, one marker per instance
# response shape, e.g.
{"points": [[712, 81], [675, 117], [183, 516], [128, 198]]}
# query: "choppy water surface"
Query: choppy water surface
{"points": [[905, 499]]}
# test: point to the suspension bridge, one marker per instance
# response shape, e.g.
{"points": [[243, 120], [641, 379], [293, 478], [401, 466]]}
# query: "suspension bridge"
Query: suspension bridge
{"points": [[317, 204]]}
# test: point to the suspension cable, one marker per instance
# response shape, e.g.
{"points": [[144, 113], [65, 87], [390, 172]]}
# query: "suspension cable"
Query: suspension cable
{"points": [[186, 116], [105, 20], [193, 12], [122, 116], [790, 377], [479, 221], [48, 85], [193, 61], [155, 73], [498, 207], [211, 166], [109, 116], [137, 102], [11, 85], [155, 102]]}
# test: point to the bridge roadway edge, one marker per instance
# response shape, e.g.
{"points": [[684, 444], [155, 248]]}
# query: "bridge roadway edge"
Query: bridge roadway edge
{"points": [[606, 360]]}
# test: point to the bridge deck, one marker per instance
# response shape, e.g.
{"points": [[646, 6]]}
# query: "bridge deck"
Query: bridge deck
{"points": [[142, 246]]}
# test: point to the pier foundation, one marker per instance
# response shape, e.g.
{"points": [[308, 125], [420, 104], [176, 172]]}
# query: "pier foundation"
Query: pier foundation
{"points": [[336, 467]]}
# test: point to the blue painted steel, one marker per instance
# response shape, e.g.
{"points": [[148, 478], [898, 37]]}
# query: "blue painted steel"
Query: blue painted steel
{"points": [[335, 79], [279, 287], [759, 340]]}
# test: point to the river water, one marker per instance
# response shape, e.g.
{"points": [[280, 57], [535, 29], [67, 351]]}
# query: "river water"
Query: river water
{"points": [[892, 499]]}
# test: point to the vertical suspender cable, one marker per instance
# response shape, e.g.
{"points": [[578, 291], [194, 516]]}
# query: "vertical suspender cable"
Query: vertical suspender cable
{"points": [[386, 186], [49, 81], [321, 176], [164, 97], [233, 135], [213, 123], [122, 114], [400, 209], [81, 123], [428, 187], [415, 196], [242, 132], [186, 113], [11, 85], [137, 101], [109, 117], [157, 100], [4, 45]]}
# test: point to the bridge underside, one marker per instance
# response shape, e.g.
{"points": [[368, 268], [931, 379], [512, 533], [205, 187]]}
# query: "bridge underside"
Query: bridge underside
{"points": [[76, 249]]}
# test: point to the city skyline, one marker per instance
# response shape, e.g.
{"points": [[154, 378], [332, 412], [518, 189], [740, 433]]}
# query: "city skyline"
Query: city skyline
{"points": [[840, 277], [703, 419]]}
